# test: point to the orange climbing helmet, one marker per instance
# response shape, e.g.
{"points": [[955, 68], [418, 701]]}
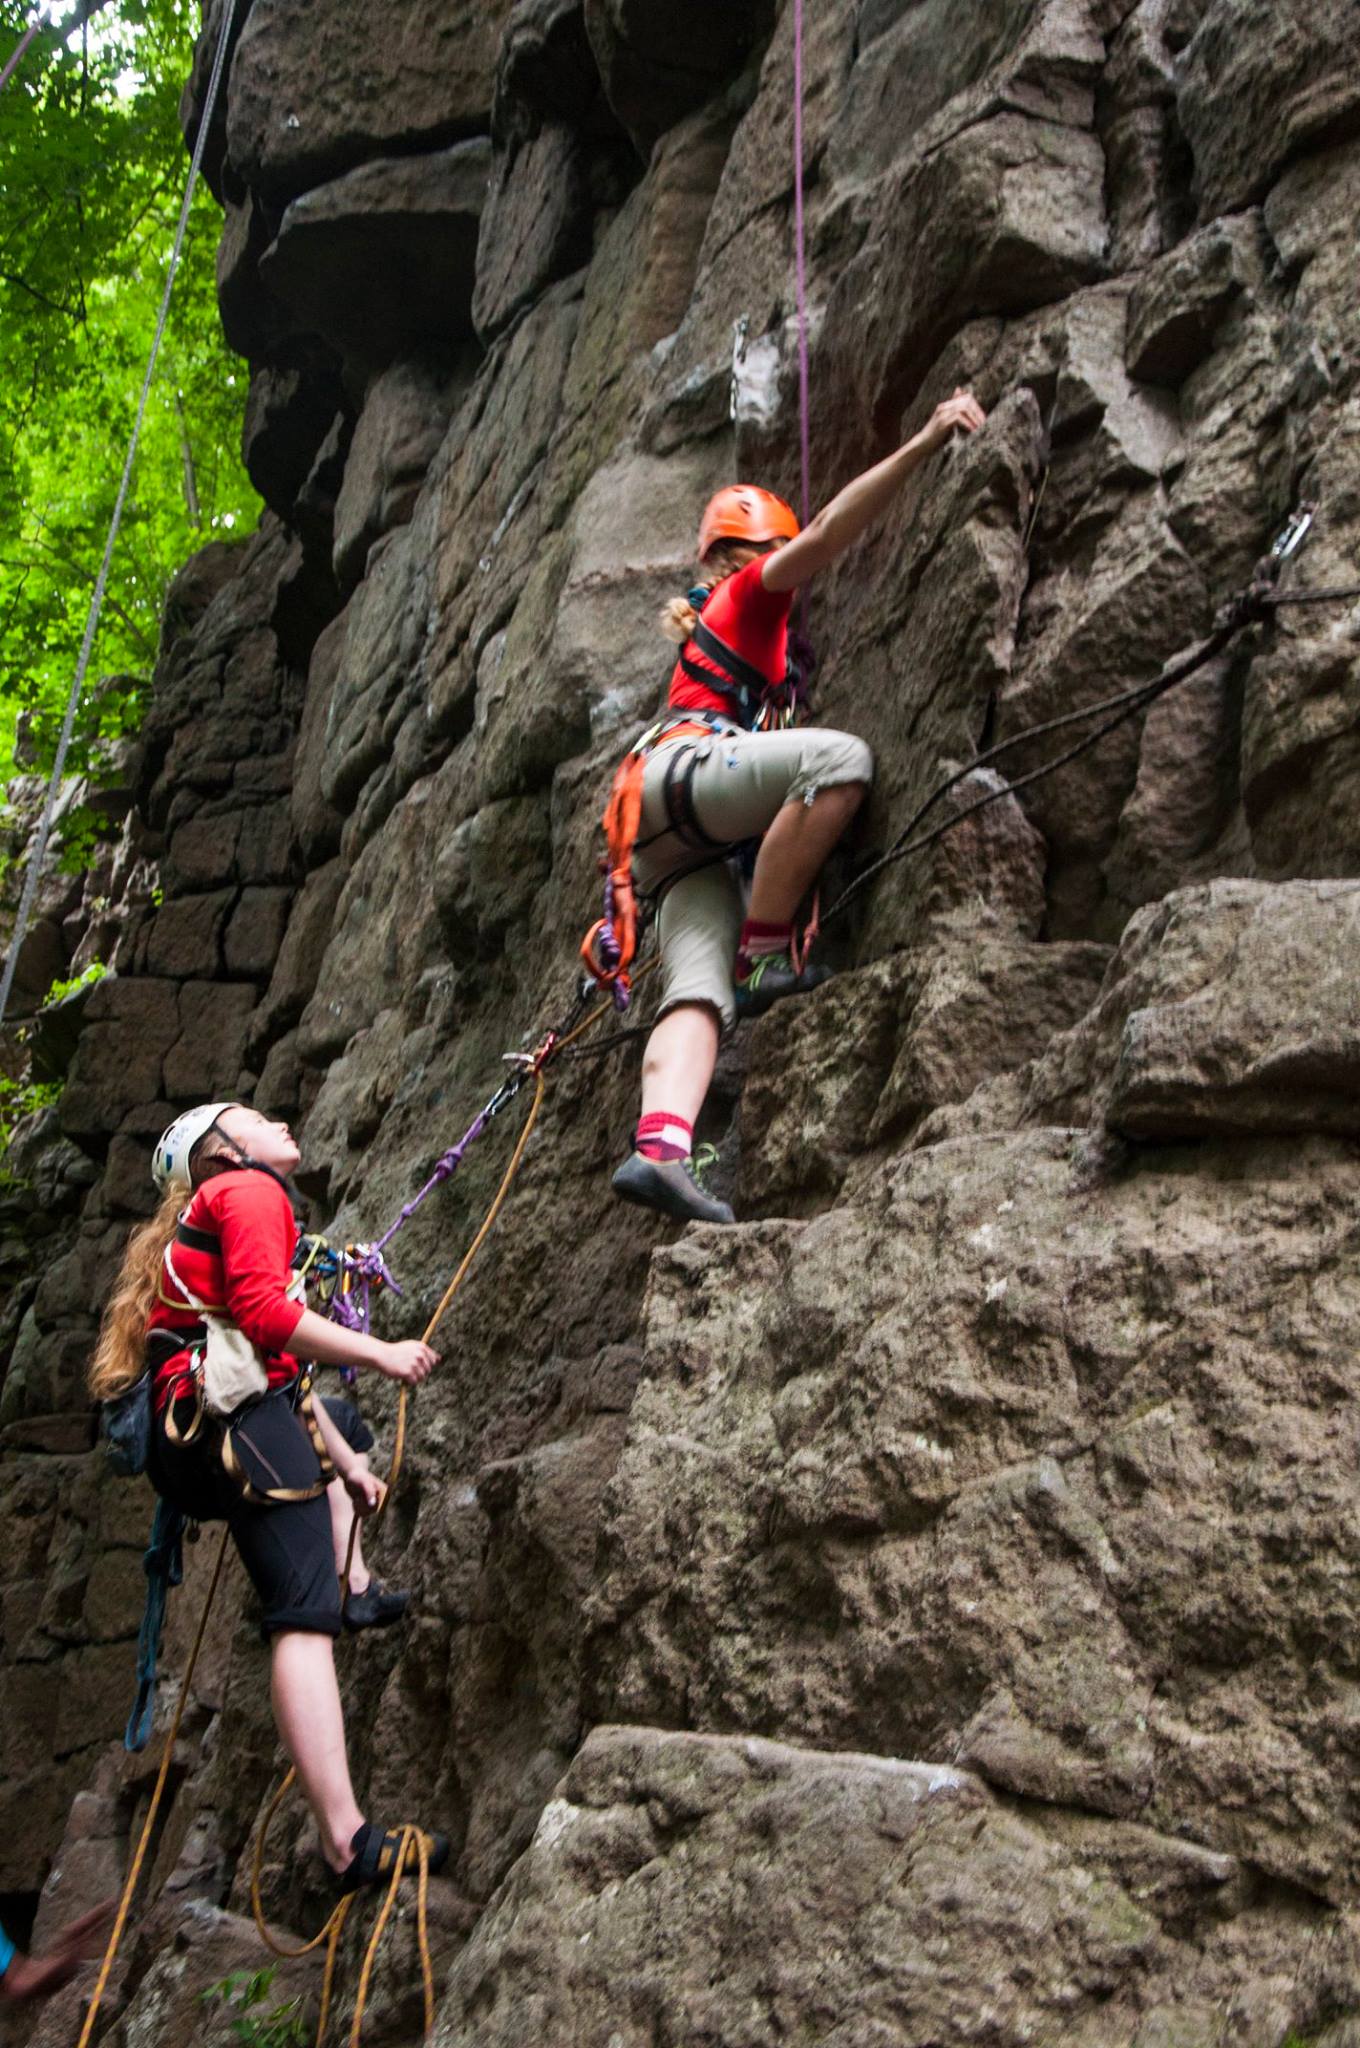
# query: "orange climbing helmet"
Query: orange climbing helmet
{"points": [[745, 512]]}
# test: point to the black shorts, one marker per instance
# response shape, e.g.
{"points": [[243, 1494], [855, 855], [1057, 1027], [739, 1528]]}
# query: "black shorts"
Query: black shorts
{"points": [[286, 1548], [348, 1421]]}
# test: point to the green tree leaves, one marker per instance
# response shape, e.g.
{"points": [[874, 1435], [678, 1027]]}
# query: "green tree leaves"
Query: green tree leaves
{"points": [[92, 170]]}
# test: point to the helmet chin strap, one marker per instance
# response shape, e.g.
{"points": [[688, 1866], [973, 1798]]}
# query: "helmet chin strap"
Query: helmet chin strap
{"points": [[240, 1154]]}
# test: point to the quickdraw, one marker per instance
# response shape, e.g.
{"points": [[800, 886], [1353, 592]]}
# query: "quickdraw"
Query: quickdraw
{"points": [[345, 1277]]}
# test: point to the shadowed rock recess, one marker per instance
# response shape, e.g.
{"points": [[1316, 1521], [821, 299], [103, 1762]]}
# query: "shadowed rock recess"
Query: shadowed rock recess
{"points": [[927, 1613]]}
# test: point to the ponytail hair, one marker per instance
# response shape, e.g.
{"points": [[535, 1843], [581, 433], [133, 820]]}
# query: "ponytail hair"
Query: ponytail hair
{"points": [[120, 1355], [680, 615], [678, 620]]}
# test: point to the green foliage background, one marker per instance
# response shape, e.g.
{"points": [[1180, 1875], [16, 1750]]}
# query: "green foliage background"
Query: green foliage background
{"points": [[92, 173]]}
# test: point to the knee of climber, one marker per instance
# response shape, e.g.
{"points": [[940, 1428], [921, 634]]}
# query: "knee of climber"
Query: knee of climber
{"points": [[859, 766], [685, 1029], [838, 762]]}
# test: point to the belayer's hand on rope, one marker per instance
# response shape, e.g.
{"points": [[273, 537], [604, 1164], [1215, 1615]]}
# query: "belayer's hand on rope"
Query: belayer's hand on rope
{"points": [[409, 1362], [368, 1493]]}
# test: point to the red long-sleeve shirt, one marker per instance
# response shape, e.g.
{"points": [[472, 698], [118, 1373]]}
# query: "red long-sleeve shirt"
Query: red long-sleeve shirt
{"points": [[234, 1251]]}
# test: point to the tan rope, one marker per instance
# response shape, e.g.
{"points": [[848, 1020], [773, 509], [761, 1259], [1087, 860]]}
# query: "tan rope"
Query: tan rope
{"points": [[413, 1842]]}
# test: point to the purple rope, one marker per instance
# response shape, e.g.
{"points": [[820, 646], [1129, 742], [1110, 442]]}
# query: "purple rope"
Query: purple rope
{"points": [[800, 242], [368, 1268], [449, 1164]]}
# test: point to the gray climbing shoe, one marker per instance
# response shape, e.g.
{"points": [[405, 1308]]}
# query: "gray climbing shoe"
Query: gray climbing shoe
{"points": [[774, 976], [671, 1187]]}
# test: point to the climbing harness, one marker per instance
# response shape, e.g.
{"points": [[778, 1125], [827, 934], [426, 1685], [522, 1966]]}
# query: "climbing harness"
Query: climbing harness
{"points": [[413, 1845], [758, 705], [44, 832], [610, 946]]}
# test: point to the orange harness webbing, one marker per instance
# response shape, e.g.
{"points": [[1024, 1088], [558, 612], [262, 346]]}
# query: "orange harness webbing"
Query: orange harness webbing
{"points": [[610, 946]]}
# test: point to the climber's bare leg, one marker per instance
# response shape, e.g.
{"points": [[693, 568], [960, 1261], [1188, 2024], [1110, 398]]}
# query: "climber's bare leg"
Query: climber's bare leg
{"points": [[794, 851], [679, 1061]]}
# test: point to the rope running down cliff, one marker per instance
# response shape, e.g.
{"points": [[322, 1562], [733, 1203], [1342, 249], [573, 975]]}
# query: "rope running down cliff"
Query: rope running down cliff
{"points": [[1254, 602], [31, 879]]}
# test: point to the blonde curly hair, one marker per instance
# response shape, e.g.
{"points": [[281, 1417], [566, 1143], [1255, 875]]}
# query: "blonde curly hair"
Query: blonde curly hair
{"points": [[120, 1355]]}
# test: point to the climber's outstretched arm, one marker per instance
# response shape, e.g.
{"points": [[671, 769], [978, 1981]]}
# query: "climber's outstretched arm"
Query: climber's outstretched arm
{"points": [[861, 502]]}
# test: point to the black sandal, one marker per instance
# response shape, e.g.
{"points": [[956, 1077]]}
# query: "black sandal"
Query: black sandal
{"points": [[375, 1854]]}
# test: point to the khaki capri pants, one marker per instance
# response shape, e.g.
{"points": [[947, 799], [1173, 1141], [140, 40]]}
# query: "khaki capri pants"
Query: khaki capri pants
{"points": [[740, 783]]}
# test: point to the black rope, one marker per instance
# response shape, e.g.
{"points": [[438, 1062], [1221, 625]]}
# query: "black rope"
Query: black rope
{"points": [[1250, 603], [605, 1045]]}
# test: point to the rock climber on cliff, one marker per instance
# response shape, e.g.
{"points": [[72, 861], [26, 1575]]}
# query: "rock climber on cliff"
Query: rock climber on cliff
{"points": [[223, 1237], [714, 780]]}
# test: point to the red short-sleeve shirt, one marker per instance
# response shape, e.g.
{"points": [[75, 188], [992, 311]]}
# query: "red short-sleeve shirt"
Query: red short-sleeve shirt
{"points": [[754, 623]]}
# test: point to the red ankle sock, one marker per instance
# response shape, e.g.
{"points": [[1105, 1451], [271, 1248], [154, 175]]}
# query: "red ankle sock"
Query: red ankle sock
{"points": [[757, 939], [663, 1136]]}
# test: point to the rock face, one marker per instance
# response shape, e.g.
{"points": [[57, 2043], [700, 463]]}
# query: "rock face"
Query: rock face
{"points": [[924, 1612]]}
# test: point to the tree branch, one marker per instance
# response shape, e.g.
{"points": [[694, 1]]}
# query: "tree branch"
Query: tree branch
{"points": [[67, 561], [22, 284]]}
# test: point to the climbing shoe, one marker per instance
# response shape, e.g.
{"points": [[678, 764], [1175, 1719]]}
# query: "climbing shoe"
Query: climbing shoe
{"points": [[774, 976], [375, 1607], [670, 1186], [376, 1852]]}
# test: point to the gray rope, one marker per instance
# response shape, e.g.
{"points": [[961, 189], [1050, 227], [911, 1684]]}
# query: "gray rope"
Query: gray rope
{"points": [[31, 879], [17, 58]]}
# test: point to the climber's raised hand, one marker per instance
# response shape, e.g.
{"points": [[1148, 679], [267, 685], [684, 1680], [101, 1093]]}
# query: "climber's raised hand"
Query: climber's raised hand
{"points": [[862, 500], [959, 412]]}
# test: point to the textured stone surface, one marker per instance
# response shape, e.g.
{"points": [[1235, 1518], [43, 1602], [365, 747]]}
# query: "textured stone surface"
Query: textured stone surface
{"points": [[535, 228], [1229, 1008], [311, 96], [940, 1510], [658, 66], [910, 1906], [406, 226], [405, 416], [1006, 1445], [1258, 85]]}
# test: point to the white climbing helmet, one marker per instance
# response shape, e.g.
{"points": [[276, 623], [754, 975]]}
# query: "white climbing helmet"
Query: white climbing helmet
{"points": [[170, 1160]]}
